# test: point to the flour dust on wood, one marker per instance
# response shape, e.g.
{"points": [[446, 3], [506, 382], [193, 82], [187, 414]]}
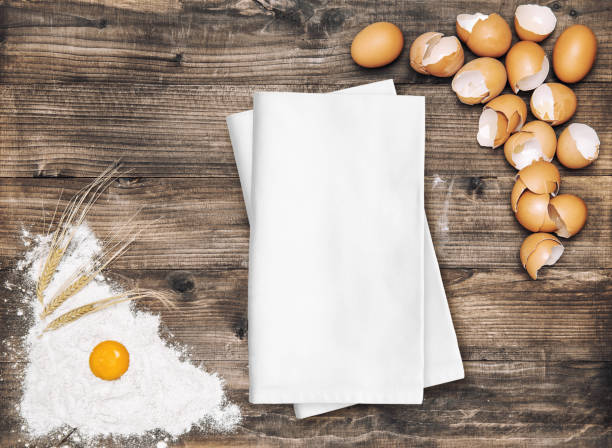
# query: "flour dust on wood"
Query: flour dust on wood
{"points": [[161, 396]]}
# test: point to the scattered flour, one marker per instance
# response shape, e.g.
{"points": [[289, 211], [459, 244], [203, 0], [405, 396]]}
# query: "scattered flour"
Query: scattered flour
{"points": [[159, 393]]}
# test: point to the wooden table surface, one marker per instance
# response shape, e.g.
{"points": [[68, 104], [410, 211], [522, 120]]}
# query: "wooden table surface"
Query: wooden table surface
{"points": [[83, 83]]}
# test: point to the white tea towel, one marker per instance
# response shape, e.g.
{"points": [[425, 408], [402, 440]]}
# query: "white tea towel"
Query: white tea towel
{"points": [[442, 358]]}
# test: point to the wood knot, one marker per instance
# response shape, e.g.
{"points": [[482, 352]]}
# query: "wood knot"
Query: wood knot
{"points": [[556, 6], [102, 23], [476, 185], [241, 329], [181, 281], [333, 19], [573, 13], [178, 58], [127, 181]]}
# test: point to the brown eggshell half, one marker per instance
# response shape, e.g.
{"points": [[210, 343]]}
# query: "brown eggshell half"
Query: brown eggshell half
{"points": [[524, 34], [531, 242], [569, 213], [542, 132], [541, 177], [513, 108], [538, 22], [448, 65], [532, 212], [568, 153], [543, 255], [524, 59], [490, 37], [545, 135], [418, 48], [493, 73], [564, 104]]}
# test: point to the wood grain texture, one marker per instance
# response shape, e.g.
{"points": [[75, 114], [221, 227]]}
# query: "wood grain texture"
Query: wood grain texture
{"points": [[498, 314], [85, 82], [259, 42], [203, 223], [77, 129], [527, 404]]}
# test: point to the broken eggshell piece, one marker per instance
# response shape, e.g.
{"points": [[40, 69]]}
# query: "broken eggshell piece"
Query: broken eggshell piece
{"points": [[434, 54], [535, 141], [578, 146], [532, 212], [500, 117], [485, 35], [527, 66], [540, 249], [534, 22], [569, 213], [540, 178], [554, 103], [479, 81]]}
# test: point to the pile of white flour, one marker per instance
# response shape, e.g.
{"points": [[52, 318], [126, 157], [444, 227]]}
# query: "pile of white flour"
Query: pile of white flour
{"points": [[159, 392]]}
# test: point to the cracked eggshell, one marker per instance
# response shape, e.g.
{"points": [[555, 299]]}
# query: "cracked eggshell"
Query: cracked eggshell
{"points": [[479, 81], [485, 35], [435, 54], [512, 107], [534, 22], [527, 66], [418, 49], [540, 249], [574, 53], [377, 45], [578, 146], [492, 129], [443, 57], [532, 212], [569, 213], [541, 177], [500, 117], [554, 103], [535, 141]]}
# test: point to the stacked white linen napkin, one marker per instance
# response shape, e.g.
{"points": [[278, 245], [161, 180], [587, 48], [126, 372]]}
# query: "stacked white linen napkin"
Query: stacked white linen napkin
{"points": [[333, 190]]}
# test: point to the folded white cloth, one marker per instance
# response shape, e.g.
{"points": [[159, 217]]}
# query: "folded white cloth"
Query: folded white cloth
{"points": [[307, 313]]}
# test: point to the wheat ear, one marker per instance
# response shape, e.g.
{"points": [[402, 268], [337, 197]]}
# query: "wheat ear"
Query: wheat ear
{"points": [[114, 247], [71, 218], [165, 297]]}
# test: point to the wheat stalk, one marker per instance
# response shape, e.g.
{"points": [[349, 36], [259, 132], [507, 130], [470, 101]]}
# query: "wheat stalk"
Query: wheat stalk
{"points": [[165, 297], [69, 221]]}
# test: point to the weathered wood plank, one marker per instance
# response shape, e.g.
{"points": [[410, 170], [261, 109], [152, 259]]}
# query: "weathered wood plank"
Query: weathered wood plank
{"points": [[236, 41], [498, 314], [498, 403], [77, 129], [202, 222]]}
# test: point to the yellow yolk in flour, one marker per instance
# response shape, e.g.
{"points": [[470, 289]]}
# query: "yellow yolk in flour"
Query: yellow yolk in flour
{"points": [[109, 360]]}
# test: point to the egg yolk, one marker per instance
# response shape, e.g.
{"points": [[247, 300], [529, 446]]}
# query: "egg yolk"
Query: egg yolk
{"points": [[109, 360]]}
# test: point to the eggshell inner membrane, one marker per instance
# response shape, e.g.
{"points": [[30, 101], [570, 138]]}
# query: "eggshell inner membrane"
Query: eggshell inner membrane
{"points": [[556, 218], [537, 19], [487, 128], [587, 141], [544, 102], [470, 84], [533, 81], [439, 48], [467, 21], [531, 151], [555, 254]]}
